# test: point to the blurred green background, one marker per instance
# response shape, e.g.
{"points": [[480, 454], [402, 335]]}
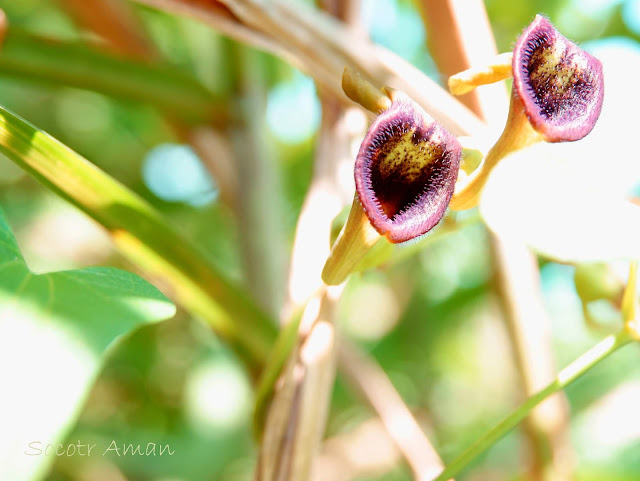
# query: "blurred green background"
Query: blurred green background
{"points": [[435, 328]]}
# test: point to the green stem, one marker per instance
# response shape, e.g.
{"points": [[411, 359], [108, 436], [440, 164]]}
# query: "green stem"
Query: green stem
{"points": [[573, 371], [266, 387], [51, 61], [142, 235]]}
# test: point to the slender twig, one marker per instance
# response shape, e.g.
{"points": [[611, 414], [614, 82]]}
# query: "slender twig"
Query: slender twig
{"points": [[296, 417], [375, 387], [565, 377], [325, 198], [322, 203], [529, 330], [220, 19], [298, 410], [321, 47]]}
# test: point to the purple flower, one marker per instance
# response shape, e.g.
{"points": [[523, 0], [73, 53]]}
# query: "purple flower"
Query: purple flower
{"points": [[560, 85], [406, 171]]}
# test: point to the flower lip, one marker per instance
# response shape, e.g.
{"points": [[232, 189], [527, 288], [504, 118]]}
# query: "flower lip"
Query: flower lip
{"points": [[406, 171], [560, 85]]}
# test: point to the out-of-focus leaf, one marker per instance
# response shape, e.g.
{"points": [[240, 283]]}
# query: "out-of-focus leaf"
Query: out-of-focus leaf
{"points": [[143, 236], [566, 201], [55, 62], [55, 330]]}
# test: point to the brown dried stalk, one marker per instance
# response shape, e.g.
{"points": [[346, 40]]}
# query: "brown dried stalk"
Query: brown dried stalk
{"points": [[459, 37], [320, 46], [297, 414], [298, 410], [371, 382], [462, 38]]}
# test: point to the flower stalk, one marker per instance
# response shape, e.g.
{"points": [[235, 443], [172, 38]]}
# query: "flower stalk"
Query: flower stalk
{"points": [[495, 71], [567, 376], [517, 134], [363, 92], [356, 239]]}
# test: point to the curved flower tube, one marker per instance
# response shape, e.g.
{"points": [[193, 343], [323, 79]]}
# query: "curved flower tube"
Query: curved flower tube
{"points": [[557, 96], [405, 174]]}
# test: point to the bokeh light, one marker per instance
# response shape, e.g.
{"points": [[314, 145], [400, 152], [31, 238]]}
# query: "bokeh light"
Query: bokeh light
{"points": [[217, 397], [174, 173], [293, 110]]}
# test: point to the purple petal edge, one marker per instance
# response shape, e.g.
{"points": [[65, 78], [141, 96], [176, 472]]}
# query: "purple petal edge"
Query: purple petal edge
{"points": [[571, 120], [425, 211]]}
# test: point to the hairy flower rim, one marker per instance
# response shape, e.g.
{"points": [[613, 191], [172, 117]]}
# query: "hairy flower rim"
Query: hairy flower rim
{"points": [[406, 171], [560, 85]]}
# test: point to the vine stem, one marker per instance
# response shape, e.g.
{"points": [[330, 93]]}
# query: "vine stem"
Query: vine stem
{"points": [[568, 375]]}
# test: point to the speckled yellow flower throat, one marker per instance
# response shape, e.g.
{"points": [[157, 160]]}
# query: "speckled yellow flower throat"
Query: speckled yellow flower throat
{"points": [[559, 83], [405, 171], [401, 170]]}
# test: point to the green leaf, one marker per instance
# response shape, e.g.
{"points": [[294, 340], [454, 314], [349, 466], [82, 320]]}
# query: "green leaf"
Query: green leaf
{"points": [[55, 330], [144, 237]]}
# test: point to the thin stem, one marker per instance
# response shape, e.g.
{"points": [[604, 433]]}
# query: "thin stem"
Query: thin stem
{"points": [[370, 381], [494, 71], [565, 377], [529, 331], [144, 237], [296, 415]]}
